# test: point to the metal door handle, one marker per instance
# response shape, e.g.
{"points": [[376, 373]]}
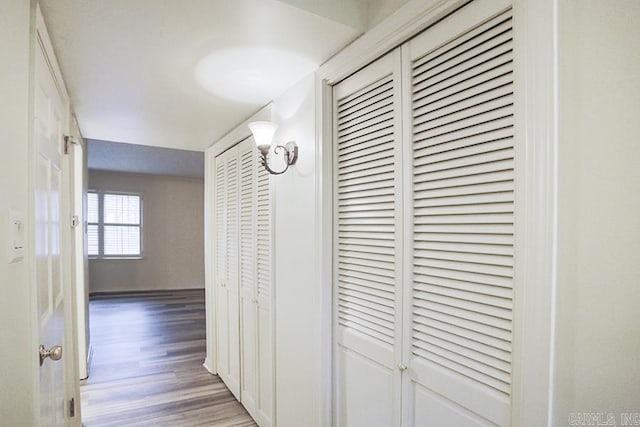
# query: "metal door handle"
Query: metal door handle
{"points": [[54, 353]]}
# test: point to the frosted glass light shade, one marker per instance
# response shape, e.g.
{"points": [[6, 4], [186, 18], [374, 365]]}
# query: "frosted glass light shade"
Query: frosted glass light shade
{"points": [[263, 132]]}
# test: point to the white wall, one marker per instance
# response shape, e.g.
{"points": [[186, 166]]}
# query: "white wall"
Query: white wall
{"points": [[297, 294], [597, 335], [17, 352], [173, 235], [598, 322], [378, 10]]}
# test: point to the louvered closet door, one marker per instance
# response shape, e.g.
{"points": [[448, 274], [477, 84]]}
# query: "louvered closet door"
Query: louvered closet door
{"points": [[248, 283], [368, 241], [264, 244], [459, 332], [227, 306]]}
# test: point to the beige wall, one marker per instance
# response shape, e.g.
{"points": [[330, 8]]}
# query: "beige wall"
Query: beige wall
{"points": [[173, 235], [598, 322], [17, 351]]}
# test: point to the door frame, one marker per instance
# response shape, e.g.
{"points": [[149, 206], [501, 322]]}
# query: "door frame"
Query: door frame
{"points": [[80, 271], [535, 68], [40, 40]]}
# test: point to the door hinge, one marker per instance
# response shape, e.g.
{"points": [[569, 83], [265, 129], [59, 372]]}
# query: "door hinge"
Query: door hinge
{"points": [[72, 407], [75, 221], [68, 140]]}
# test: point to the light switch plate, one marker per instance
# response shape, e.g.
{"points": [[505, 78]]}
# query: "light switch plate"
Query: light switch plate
{"points": [[16, 236]]}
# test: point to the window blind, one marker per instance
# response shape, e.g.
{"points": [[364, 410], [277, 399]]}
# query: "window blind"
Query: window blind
{"points": [[114, 224], [93, 219]]}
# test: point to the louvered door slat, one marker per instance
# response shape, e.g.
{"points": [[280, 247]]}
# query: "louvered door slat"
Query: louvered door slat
{"points": [[493, 60], [463, 222], [478, 36], [365, 116], [220, 199], [354, 292], [438, 327], [464, 365], [232, 217], [477, 83], [437, 120], [482, 178], [370, 139], [460, 339], [382, 99], [366, 95], [247, 227], [467, 295], [463, 285], [458, 320], [474, 257], [430, 129], [264, 233], [371, 147], [452, 105]]}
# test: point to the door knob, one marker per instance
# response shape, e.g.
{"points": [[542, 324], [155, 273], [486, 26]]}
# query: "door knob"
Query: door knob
{"points": [[402, 367], [54, 353]]}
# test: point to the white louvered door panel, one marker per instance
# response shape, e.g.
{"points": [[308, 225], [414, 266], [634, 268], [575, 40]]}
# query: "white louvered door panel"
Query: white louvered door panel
{"points": [[368, 243], [459, 333], [227, 297], [264, 243], [248, 282], [220, 249]]}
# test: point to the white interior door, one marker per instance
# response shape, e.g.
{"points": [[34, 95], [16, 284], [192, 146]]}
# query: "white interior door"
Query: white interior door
{"points": [[227, 296], [255, 286], [51, 111], [368, 238], [243, 256], [458, 333], [264, 243], [248, 283]]}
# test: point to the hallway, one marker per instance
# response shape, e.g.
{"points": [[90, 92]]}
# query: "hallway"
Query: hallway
{"points": [[148, 350]]}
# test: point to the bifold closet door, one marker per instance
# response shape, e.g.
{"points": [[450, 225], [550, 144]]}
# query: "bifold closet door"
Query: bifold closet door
{"points": [[242, 214], [226, 198], [368, 239], [458, 340], [248, 282], [256, 363], [264, 245]]}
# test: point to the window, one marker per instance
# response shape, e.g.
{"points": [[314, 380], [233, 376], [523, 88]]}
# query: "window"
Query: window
{"points": [[114, 225]]}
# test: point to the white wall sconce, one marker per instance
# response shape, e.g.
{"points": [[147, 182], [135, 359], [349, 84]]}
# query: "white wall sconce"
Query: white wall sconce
{"points": [[263, 136]]}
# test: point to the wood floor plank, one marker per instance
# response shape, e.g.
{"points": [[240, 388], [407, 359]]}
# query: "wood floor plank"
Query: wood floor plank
{"points": [[148, 349]]}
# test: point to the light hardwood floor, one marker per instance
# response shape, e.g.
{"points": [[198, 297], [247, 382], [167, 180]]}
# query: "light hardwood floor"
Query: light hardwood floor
{"points": [[148, 350]]}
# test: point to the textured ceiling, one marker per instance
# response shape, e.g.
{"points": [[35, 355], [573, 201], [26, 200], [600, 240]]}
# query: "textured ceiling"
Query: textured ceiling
{"points": [[135, 73], [118, 157]]}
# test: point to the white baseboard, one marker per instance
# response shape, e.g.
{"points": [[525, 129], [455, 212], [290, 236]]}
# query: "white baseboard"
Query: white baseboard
{"points": [[208, 367]]}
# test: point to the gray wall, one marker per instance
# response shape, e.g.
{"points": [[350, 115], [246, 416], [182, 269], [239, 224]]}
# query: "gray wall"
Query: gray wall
{"points": [[173, 235]]}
